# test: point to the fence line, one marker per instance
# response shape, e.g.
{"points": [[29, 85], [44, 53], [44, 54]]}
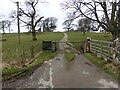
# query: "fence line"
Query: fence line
{"points": [[14, 55], [18, 54], [103, 49], [34, 49]]}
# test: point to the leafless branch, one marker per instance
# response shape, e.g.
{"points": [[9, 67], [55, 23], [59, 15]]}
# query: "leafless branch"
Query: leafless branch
{"points": [[38, 21]]}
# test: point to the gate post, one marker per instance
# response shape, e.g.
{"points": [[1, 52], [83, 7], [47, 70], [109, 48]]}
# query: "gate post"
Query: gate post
{"points": [[31, 51], [116, 51], [88, 45], [54, 46]]}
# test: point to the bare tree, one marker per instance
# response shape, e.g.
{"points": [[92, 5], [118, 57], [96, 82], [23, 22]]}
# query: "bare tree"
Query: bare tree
{"points": [[49, 24], [46, 25], [5, 24], [32, 17], [9, 26], [84, 25], [68, 24], [104, 13], [53, 22]]}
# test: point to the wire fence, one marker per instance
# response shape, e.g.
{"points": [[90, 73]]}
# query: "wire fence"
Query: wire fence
{"points": [[17, 54]]}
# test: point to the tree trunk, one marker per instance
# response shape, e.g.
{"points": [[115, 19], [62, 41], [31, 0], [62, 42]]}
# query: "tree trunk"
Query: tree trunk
{"points": [[33, 29], [9, 29], [83, 32], [3, 31], [114, 35], [68, 30], [39, 29], [33, 34]]}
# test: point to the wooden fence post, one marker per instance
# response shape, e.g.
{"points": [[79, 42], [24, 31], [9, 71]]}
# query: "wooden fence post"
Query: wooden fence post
{"points": [[96, 49], [54, 48], [109, 49], [17, 54], [101, 50], [31, 51], [88, 45], [116, 51], [23, 53]]}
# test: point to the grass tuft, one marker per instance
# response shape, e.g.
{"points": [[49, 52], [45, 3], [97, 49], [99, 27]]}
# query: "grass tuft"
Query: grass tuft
{"points": [[69, 56], [101, 64]]}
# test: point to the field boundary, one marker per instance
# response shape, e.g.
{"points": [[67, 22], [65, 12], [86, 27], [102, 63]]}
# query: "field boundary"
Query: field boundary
{"points": [[109, 51], [34, 49]]}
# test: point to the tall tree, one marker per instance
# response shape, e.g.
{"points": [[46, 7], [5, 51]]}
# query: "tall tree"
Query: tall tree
{"points": [[84, 25], [9, 26], [46, 25], [68, 24], [49, 24], [104, 13], [5, 24], [53, 23], [32, 17]]}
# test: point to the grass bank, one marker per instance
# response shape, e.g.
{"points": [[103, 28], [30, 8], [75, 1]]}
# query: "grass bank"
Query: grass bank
{"points": [[102, 65]]}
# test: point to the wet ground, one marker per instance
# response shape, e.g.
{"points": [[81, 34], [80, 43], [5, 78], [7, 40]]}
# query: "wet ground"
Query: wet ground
{"points": [[58, 73]]}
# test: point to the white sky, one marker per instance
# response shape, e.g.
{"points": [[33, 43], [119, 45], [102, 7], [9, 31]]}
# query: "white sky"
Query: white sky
{"points": [[52, 9]]}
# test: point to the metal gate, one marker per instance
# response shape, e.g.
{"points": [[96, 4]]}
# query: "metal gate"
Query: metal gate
{"points": [[49, 46], [118, 51]]}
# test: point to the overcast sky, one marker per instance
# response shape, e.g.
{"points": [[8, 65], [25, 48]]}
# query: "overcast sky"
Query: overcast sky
{"points": [[52, 9]]}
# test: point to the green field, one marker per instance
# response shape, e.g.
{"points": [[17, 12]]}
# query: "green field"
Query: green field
{"points": [[11, 48], [78, 36]]}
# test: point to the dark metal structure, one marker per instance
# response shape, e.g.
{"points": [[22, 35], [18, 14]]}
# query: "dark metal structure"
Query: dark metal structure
{"points": [[49, 45]]}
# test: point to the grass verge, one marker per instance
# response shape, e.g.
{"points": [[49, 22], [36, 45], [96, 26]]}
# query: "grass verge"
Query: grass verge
{"points": [[68, 48], [46, 55], [69, 56], [101, 64], [11, 72]]}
